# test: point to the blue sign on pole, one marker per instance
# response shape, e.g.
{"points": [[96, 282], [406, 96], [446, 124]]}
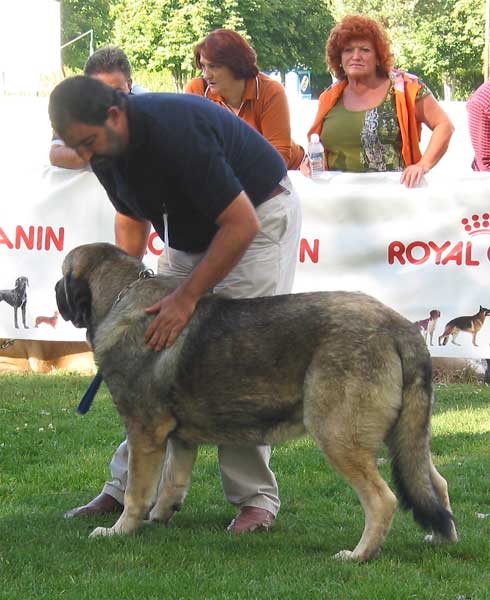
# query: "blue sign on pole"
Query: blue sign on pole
{"points": [[304, 84]]}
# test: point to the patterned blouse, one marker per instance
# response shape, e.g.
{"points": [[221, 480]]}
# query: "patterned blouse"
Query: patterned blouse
{"points": [[368, 140]]}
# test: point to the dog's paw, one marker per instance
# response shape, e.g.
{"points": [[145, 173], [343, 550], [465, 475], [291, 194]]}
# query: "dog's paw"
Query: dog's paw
{"points": [[435, 538], [158, 515], [102, 532], [344, 555]]}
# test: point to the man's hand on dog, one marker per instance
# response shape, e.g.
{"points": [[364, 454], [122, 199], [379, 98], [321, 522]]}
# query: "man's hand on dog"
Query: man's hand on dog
{"points": [[173, 312]]}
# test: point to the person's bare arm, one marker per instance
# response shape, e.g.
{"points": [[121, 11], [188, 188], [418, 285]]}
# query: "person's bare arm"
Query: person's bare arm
{"points": [[238, 224], [67, 158], [428, 111], [131, 234]]}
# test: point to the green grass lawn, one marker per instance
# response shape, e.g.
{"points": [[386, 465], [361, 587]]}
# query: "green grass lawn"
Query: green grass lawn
{"points": [[51, 460]]}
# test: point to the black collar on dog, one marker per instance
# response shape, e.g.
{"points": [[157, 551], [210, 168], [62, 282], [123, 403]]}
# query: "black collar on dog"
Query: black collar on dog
{"points": [[89, 396]]}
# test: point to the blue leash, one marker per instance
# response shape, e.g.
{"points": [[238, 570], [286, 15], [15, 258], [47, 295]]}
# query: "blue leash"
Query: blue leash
{"points": [[88, 397]]}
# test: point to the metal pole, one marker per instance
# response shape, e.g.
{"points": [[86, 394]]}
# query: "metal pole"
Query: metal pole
{"points": [[91, 33]]}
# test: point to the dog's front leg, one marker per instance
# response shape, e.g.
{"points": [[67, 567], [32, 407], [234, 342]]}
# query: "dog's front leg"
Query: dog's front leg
{"points": [[176, 479], [23, 309], [16, 323], [146, 452]]}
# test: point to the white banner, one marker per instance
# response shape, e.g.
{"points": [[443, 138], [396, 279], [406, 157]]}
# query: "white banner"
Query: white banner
{"points": [[418, 250]]}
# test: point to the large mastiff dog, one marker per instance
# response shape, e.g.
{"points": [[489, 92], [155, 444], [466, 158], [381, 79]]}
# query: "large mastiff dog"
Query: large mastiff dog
{"points": [[340, 366]]}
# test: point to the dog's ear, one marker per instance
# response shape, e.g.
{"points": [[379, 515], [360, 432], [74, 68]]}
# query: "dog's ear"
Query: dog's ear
{"points": [[61, 300], [74, 300]]}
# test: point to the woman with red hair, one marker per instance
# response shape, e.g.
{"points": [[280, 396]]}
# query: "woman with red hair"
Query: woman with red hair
{"points": [[370, 118], [230, 77]]}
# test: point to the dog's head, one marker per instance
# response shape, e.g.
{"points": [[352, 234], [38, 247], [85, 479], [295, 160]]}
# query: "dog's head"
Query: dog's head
{"points": [[435, 314], [484, 311], [21, 283], [93, 274]]}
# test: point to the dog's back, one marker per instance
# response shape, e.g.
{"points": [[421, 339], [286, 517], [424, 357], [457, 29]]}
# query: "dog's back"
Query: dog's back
{"points": [[274, 341]]}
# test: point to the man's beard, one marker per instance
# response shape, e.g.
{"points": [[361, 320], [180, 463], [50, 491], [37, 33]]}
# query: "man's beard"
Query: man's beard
{"points": [[115, 147]]}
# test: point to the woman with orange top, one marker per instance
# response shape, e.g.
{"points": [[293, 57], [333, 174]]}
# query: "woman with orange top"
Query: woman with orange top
{"points": [[370, 119], [230, 77]]}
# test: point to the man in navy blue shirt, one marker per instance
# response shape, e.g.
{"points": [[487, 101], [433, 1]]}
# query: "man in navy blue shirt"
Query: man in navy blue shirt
{"points": [[218, 194]]}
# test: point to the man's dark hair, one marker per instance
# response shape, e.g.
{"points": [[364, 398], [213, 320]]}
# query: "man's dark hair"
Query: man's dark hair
{"points": [[107, 60], [82, 99]]}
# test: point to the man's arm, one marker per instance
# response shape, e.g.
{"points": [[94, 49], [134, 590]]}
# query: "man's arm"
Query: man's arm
{"points": [[131, 234], [238, 225]]}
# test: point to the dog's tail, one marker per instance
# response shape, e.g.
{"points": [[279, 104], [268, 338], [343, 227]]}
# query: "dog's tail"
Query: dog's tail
{"points": [[409, 445]]}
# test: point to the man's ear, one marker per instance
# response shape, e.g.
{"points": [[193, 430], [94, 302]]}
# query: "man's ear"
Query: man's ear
{"points": [[114, 114], [118, 121]]}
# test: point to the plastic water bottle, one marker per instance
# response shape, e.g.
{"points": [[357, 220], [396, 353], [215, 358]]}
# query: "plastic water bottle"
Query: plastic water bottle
{"points": [[317, 155]]}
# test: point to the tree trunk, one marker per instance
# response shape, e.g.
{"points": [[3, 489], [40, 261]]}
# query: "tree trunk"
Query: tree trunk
{"points": [[177, 76]]}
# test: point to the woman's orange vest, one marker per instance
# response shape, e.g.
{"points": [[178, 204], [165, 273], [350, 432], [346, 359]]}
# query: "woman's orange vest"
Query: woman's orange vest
{"points": [[406, 87]]}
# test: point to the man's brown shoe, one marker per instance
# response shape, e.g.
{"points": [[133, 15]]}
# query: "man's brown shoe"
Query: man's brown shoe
{"points": [[251, 519], [100, 505]]}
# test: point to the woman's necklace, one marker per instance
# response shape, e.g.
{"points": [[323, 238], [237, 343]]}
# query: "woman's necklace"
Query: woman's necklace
{"points": [[240, 88], [234, 110]]}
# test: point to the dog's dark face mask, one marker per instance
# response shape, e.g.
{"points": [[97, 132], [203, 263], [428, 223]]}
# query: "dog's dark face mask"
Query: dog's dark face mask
{"points": [[74, 300]]}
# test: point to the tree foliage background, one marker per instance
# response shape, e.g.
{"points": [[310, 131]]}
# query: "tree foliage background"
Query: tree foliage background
{"points": [[440, 40]]}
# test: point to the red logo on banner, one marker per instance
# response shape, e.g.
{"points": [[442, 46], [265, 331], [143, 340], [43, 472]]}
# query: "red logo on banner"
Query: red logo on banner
{"points": [[44, 238], [34, 237], [306, 249], [154, 244], [460, 253], [477, 227]]}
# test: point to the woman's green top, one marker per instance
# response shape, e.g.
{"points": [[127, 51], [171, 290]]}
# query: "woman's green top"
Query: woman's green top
{"points": [[367, 140]]}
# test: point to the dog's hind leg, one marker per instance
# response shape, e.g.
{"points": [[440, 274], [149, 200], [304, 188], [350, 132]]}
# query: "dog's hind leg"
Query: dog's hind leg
{"points": [[358, 467], [349, 417], [175, 482], [454, 336], [441, 489], [146, 451]]}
